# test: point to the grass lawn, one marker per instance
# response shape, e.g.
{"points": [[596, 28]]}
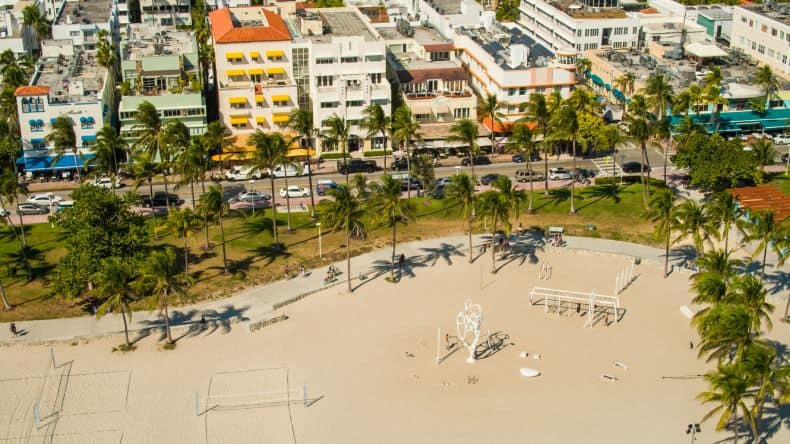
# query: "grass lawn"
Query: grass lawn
{"points": [[253, 260], [782, 182]]}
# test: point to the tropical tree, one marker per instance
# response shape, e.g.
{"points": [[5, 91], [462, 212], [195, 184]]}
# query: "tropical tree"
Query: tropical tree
{"points": [[764, 153], [301, 122], [214, 138], [489, 108], [763, 228], [639, 131], [583, 66], [713, 96], [658, 94], [144, 169], [347, 213], [512, 196], [494, 210], [35, 20], [15, 70], [729, 390], [339, 131], [160, 278], [181, 224], [625, 83], [105, 51], [10, 190], [725, 331], [662, 211], [108, 145], [212, 206], [460, 194], [465, 130], [153, 140], [388, 204], [681, 103], [713, 280], [692, 220], [522, 140], [537, 110], [768, 83], [749, 292], [377, 122], [268, 154], [405, 131], [62, 138], [770, 373], [566, 126], [114, 286], [723, 210]]}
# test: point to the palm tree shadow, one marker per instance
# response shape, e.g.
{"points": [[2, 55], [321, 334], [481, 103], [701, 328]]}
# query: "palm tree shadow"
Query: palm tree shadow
{"points": [[681, 255], [257, 225], [601, 192], [381, 267], [215, 320], [268, 253], [750, 266], [773, 419], [560, 195], [444, 251], [779, 280]]}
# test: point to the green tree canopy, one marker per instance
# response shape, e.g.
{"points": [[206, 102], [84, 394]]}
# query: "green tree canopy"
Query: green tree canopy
{"points": [[715, 163]]}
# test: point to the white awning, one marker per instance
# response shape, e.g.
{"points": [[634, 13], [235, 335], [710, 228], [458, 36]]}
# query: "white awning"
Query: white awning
{"points": [[704, 51], [420, 108]]}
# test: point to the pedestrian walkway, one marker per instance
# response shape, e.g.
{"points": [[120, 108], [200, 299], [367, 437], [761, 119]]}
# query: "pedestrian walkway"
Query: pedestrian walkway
{"points": [[254, 306]]}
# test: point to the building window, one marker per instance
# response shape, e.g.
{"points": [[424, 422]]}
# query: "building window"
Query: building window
{"points": [[380, 102], [374, 58], [326, 105], [324, 60], [355, 103], [461, 113], [275, 58], [773, 32], [323, 81], [441, 55], [522, 91], [87, 122], [36, 125], [375, 78], [38, 145], [761, 49], [232, 106], [511, 91], [279, 103], [349, 59]]}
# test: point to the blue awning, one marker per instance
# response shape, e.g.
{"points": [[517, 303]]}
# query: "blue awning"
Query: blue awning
{"points": [[597, 80], [47, 163], [52, 120], [37, 140], [32, 121], [40, 122], [618, 94], [20, 161], [83, 119], [90, 138], [608, 86], [37, 163]]}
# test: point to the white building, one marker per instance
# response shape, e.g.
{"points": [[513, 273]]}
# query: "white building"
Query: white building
{"points": [[123, 12], [763, 33], [14, 35], [341, 59], [166, 12], [666, 28], [67, 83], [80, 22]]}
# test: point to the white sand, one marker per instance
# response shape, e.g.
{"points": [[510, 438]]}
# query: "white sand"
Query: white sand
{"points": [[351, 350]]}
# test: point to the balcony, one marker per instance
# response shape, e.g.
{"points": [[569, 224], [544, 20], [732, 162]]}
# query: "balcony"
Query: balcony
{"points": [[428, 95]]}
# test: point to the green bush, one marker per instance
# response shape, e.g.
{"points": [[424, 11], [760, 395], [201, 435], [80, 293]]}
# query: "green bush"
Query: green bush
{"points": [[376, 153], [627, 180], [328, 156]]}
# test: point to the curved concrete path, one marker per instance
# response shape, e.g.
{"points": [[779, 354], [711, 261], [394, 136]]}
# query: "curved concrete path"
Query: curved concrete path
{"points": [[253, 307]]}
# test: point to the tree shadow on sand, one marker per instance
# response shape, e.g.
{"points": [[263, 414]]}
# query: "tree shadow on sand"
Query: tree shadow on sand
{"points": [[215, 321], [444, 251]]}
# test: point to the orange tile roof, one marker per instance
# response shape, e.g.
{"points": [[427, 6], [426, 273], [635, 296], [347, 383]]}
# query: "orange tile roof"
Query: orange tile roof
{"points": [[31, 91], [504, 127], [763, 197], [225, 31], [649, 11]]}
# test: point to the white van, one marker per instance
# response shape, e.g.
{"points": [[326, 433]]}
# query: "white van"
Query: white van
{"points": [[289, 170], [243, 173]]}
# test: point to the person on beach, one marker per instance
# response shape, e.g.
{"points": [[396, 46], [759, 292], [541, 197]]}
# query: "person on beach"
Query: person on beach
{"points": [[14, 331], [402, 260]]}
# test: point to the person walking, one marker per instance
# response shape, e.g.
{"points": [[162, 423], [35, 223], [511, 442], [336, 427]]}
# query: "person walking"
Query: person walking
{"points": [[14, 331], [402, 260]]}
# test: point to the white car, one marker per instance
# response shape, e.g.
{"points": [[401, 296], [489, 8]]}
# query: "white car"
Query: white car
{"points": [[783, 139], [107, 182], [559, 174], [243, 173], [3, 212], [46, 199], [252, 196], [294, 191]]}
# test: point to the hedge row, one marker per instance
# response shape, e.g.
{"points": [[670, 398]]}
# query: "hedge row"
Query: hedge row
{"points": [[626, 180], [376, 153], [327, 156]]}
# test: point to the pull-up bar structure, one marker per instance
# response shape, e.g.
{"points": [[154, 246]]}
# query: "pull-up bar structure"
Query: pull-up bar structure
{"points": [[555, 300]]}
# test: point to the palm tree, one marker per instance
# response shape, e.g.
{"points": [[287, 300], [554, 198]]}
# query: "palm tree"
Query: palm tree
{"points": [[763, 228], [301, 121], [726, 330], [522, 140], [153, 139], [625, 83], [144, 169], [160, 276], [713, 78], [583, 66], [728, 389], [662, 211], [658, 93], [345, 212], [715, 275], [405, 130], [108, 144], [176, 140], [537, 110], [32, 18], [723, 210], [10, 190], [566, 124], [768, 83], [266, 157], [713, 96], [639, 131], [489, 108], [696, 97], [494, 211], [376, 122], [465, 130], [692, 220], [460, 194], [214, 138], [213, 206], [513, 197], [388, 204], [339, 131], [15, 70], [749, 292], [763, 150], [771, 374], [181, 224], [113, 284], [62, 138], [105, 51], [681, 103]]}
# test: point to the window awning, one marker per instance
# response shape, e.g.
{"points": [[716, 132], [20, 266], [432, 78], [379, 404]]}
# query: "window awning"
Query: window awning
{"points": [[420, 108], [259, 98], [237, 100], [275, 53], [235, 72], [232, 156], [597, 80], [47, 163], [89, 138], [255, 71], [37, 140], [238, 120], [279, 118], [275, 70], [233, 55], [254, 54], [280, 98], [618, 94], [260, 119]]}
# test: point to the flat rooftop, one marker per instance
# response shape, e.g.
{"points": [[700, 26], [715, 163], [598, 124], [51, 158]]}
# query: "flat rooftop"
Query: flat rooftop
{"points": [[716, 14], [582, 12], [345, 23], [446, 7], [428, 36], [85, 12], [499, 41], [78, 78], [778, 11], [144, 41]]}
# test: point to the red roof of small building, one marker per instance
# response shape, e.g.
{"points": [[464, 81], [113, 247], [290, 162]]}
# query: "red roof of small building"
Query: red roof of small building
{"points": [[648, 11], [224, 30], [422, 75], [763, 197], [31, 91]]}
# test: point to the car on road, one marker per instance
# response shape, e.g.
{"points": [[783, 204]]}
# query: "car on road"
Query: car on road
{"points": [[294, 191], [782, 139], [634, 167], [559, 174], [27, 209], [356, 166], [410, 182], [784, 157], [45, 199], [583, 173], [442, 181], [528, 176], [521, 158], [252, 196], [243, 173], [160, 199], [107, 182], [324, 185], [488, 178], [478, 160]]}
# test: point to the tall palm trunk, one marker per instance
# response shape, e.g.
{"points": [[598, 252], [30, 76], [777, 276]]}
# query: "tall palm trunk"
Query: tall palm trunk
{"points": [[408, 170], [765, 257], [546, 174], [573, 180], [469, 230], [666, 153], [735, 423], [492, 133], [531, 188], [394, 239], [666, 252], [167, 193], [6, 305], [642, 176], [224, 252], [287, 202], [274, 212], [167, 318], [348, 261], [186, 255], [384, 136], [192, 191], [614, 171], [310, 184], [205, 214], [345, 160], [153, 209], [493, 249], [77, 165], [24, 246], [125, 326]]}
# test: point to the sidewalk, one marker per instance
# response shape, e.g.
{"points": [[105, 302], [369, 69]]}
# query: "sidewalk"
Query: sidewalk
{"points": [[255, 306]]}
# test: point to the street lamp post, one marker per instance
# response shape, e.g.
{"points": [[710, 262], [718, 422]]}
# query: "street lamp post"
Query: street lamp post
{"points": [[622, 173], [693, 429], [320, 247]]}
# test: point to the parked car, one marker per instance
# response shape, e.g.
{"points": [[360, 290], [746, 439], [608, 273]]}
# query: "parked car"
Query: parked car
{"points": [[400, 164], [438, 192], [160, 199], [324, 185], [63, 205], [442, 181], [252, 196], [782, 139], [290, 170], [3, 212], [356, 166], [478, 160], [31, 208], [412, 183], [294, 191], [243, 173], [107, 182], [488, 178], [634, 167], [521, 158], [46, 199], [559, 174], [528, 176], [583, 173]]}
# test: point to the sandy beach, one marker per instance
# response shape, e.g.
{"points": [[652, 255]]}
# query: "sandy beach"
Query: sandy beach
{"points": [[368, 360]]}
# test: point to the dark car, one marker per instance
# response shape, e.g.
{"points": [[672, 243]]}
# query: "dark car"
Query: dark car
{"points": [[634, 167], [29, 208], [478, 160], [488, 178], [438, 192], [412, 183], [400, 164], [159, 199], [520, 158], [583, 173]]}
